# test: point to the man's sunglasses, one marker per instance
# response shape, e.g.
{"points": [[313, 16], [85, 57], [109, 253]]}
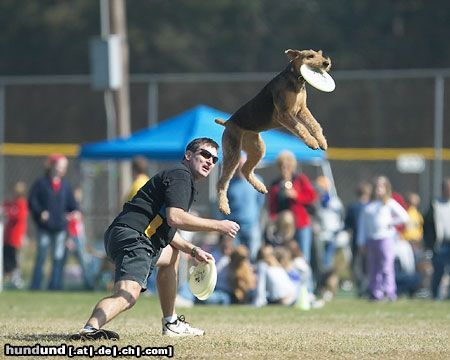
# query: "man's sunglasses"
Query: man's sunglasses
{"points": [[207, 155]]}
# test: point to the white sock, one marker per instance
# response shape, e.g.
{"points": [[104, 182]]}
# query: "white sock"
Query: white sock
{"points": [[171, 319]]}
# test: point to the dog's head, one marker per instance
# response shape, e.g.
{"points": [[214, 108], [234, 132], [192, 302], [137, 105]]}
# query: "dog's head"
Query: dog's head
{"points": [[314, 59]]}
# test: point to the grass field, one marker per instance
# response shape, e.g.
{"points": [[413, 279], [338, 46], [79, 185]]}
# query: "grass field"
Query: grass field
{"points": [[343, 329]]}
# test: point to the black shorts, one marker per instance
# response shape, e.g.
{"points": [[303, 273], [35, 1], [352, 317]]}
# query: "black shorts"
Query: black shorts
{"points": [[132, 253]]}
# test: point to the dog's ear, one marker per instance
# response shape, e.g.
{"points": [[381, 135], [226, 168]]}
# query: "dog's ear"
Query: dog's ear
{"points": [[320, 52], [292, 54]]}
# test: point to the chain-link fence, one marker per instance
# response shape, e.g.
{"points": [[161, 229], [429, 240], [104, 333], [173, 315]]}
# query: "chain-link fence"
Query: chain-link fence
{"points": [[369, 109], [92, 177]]}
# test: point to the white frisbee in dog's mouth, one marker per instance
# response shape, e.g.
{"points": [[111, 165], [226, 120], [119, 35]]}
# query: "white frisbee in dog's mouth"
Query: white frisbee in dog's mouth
{"points": [[320, 80]]}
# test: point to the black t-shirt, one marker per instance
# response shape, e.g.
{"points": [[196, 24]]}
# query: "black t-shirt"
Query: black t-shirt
{"points": [[146, 212]]}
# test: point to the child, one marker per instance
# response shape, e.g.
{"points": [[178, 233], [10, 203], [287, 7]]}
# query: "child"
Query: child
{"points": [[16, 213], [377, 234]]}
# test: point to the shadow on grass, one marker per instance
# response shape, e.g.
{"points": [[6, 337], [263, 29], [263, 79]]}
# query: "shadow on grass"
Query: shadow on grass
{"points": [[39, 337]]}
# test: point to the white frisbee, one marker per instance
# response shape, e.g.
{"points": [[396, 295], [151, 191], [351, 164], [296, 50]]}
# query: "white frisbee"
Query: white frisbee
{"points": [[202, 279], [212, 283], [209, 291], [320, 80]]}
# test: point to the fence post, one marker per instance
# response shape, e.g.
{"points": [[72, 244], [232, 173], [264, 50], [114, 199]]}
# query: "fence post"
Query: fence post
{"points": [[2, 174], [152, 106], [438, 133]]}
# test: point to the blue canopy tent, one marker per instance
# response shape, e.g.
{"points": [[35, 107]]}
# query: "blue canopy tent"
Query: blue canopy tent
{"points": [[167, 140]]}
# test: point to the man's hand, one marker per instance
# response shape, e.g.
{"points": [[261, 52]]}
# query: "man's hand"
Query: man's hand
{"points": [[202, 255], [229, 228]]}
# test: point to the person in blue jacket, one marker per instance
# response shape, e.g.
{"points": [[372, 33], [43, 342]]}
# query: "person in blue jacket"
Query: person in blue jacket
{"points": [[50, 199]]}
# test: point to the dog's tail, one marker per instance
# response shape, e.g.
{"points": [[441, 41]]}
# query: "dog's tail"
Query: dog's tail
{"points": [[221, 122]]}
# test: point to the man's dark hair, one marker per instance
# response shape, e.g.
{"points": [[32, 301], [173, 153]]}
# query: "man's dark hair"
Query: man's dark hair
{"points": [[196, 144]]}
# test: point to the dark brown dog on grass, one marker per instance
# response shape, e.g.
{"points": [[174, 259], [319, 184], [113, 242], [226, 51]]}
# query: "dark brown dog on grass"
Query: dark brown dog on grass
{"points": [[282, 102]]}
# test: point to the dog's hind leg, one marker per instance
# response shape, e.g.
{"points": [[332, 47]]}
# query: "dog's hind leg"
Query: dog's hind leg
{"points": [[255, 148], [231, 150], [298, 129], [313, 126]]}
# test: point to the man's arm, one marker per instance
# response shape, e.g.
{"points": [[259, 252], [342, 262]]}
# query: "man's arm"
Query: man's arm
{"points": [[182, 220], [179, 243]]}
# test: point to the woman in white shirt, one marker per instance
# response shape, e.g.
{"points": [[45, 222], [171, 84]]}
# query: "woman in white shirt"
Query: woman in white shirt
{"points": [[378, 233]]}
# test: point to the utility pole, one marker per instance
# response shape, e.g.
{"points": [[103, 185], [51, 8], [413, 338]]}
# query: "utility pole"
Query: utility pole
{"points": [[2, 174], [122, 95]]}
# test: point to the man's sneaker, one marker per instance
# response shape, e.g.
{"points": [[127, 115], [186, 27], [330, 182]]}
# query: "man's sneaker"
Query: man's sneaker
{"points": [[180, 328], [95, 334]]}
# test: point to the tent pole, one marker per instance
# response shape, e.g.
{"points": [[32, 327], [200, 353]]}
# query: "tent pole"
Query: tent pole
{"points": [[212, 181]]}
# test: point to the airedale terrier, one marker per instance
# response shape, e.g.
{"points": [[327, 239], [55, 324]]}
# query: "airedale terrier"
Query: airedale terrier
{"points": [[282, 102]]}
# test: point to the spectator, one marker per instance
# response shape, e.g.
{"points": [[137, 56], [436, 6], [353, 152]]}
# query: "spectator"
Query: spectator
{"points": [[329, 216], [354, 210], [437, 236], [305, 296], [242, 279], [76, 240], [283, 230], [285, 258], [222, 294], [273, 283], [300, 264], [293, 192], [139, 168], [376, 237], [407, 278], [50, 200], [414, 227], [245, 204], [16, 213], [222, 251]]}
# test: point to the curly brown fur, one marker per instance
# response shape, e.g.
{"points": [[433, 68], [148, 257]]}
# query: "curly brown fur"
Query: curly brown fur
{"points": [[282, 102], [242, 278]]}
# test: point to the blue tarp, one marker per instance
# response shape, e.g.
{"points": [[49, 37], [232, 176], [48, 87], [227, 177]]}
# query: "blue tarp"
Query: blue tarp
{"points": [[167, 140]]}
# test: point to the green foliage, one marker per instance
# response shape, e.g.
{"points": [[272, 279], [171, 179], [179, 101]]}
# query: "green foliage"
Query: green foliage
{"points": [[48, 37]]}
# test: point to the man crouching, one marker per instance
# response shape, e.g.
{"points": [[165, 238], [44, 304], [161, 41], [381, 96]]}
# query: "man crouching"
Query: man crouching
{"points": [[144, 235]]}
